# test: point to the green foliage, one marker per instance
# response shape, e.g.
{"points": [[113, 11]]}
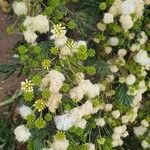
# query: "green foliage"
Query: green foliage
{"points": [[90, 70], [7, 68], [40, 123], [102, 69], [122, 96], [10, 30]]}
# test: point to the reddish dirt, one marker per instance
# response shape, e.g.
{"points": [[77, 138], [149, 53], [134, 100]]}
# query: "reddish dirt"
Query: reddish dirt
{"points": [[7, 42]]}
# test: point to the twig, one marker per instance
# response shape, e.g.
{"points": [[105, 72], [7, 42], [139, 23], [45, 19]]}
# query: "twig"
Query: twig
{"points": [[12, 99]]}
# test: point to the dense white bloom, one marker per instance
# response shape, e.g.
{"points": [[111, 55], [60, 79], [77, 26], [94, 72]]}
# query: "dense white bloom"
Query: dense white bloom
{"points": [[24, 111], [143, 38], [79, 43], [100, 122], [54, 80], [113, 68], [130, 80], [53, 102], [59, 42], [113, 41], [147, 2], [41, 24], [126, 22], [30, 36], [128, 7], [122, 52], [116, 9], [138, 131], [76, 93], [145, 144], [64, 122], [125, 119], [20, 8], [22, 133], [108, 18], [60, 144], [91, 146], [108, 50], [29, 23], [142, 58], [65, 51], [139, 9], [135, 47], [101, 26], [108, 107], [115, 114], [145, 123], [81, 123]]}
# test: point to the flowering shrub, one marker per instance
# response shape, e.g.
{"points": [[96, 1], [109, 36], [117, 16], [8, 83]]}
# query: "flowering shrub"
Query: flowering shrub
{"points": [[88, 88]]}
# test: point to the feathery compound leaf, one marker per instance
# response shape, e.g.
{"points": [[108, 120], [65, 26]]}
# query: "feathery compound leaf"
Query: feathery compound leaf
{"points": [[122, 96], [7, 68], [102, 69]]}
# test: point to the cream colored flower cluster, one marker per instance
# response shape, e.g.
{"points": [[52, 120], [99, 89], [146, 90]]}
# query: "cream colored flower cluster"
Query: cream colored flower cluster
{"points": [[129, 11], [66, 46], [53, 81]]}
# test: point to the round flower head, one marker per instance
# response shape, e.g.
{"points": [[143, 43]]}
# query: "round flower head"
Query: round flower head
{"points": [[126, 22], [41, 24], [100, 122], [30, 36], [22, 133], [24, 111], [115, 114], [20, 8], [113, 41], [108, 18], [128, 7], [130, 80], [58, 31], [26, 86]]}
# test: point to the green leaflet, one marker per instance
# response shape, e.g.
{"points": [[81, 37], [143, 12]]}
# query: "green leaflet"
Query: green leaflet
{"points": [[122, 96], [102, 69], [7, 68]]}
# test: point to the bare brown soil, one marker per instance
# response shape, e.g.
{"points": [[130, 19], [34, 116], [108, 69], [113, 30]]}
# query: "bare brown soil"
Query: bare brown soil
{"points": [[7, 43]]}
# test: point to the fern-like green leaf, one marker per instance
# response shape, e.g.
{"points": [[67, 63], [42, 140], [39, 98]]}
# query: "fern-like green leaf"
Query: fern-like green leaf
{"points": [[122, 96]]}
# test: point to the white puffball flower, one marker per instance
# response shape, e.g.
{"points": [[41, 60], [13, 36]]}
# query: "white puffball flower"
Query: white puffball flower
{"points": [[108, 107], [147, 2], [122, 52], [113, 68], [41, 23], [108, 18], [108, 50], [130, 80], [145, 144], [76, 93], [138, 131], [115, 114], [91, 146], [30, 36], [25, 111], [22, 133], [101, 26], [64, 122], [60, 144], [113, 41], [128, 7], [81, 123], [20, 8], [100, 122], [126, 22], [142, 58], [145, 123], [60, 42]]}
